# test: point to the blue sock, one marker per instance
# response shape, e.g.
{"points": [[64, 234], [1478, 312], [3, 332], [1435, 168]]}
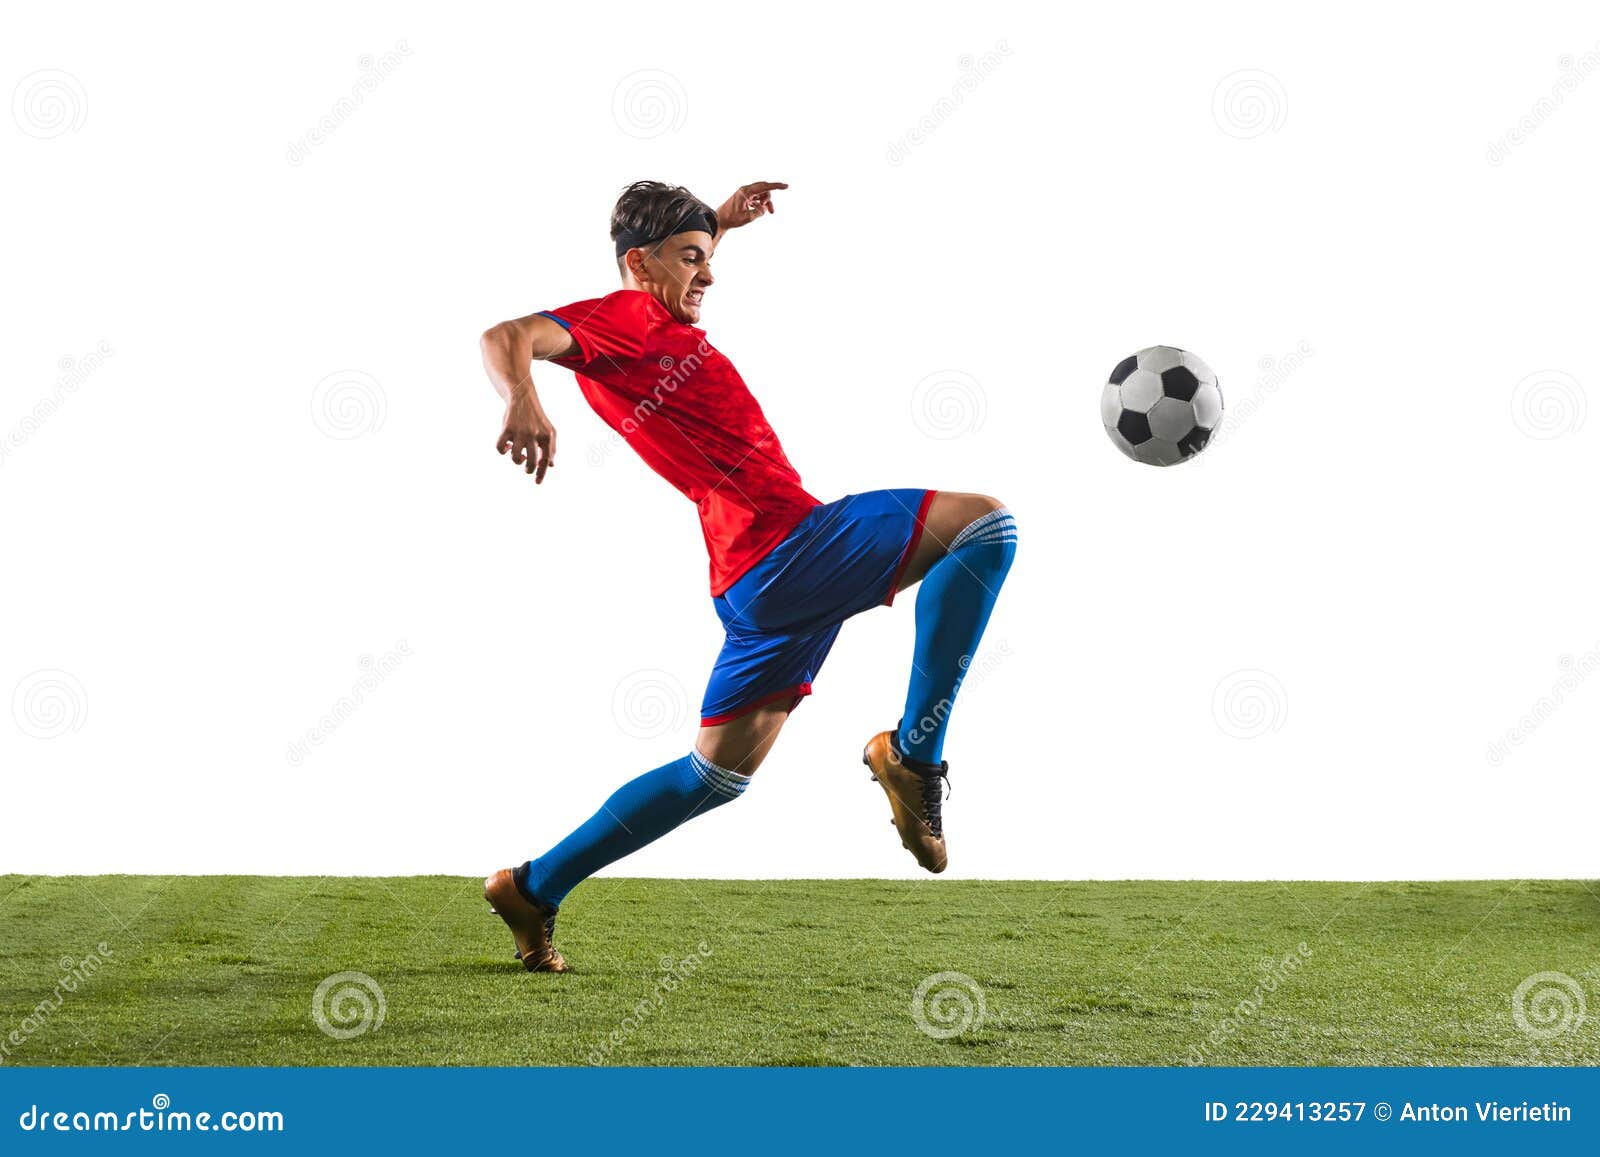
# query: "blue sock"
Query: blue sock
{"points": [[638, 812], [952, 610]]}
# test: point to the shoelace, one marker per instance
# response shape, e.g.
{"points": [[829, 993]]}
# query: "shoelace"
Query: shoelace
{"points": [[549, 935], [933, 798]]}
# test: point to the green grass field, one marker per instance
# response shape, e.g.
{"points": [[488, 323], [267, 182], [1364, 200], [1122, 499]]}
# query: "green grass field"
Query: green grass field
{"points": [[224, 970]]}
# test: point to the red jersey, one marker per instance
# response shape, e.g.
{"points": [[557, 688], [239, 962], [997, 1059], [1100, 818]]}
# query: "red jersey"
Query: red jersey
{"points": [[686, 411]]}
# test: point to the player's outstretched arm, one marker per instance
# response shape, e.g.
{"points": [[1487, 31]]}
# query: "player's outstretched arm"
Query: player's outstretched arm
{"points": [[747, 203], [509, 350]]}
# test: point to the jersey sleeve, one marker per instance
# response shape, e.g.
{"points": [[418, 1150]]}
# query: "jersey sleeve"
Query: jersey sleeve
{"points": [[611, 327]]}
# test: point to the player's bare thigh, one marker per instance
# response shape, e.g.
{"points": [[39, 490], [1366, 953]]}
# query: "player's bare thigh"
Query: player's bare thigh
{"points": [[742, 744], [949, 514]]}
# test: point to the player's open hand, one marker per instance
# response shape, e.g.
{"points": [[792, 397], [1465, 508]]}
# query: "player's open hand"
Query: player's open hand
{"points": [[747, 203], [528, 437]]}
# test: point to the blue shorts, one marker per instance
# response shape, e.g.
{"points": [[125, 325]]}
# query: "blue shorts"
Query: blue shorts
{"points": [[783, 614]]}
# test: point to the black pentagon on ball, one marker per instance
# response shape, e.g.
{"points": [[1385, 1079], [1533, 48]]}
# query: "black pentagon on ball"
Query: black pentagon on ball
{"points": [[1134, 426], [1179, 382], [1125, 367], [1194, 441]]}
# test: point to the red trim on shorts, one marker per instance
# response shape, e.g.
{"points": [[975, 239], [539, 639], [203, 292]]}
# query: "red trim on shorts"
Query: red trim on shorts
{"points": [[797, 692], [911, 547]]}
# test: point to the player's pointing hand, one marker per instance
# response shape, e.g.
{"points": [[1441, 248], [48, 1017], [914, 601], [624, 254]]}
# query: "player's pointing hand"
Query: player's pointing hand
{"points": [[747, 203]]}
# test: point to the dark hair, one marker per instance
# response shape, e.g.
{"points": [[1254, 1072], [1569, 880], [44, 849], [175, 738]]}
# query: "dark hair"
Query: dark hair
{"points": [[655, 209]]}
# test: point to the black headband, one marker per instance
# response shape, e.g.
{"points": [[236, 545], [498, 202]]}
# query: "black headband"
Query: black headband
{"points": [[697, 220]]}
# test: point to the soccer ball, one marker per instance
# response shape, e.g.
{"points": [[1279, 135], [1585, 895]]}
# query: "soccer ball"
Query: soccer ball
{"points": [[1161, 405]]}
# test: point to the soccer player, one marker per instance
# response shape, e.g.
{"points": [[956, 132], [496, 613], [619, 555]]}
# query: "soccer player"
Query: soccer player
{"points": [[786, 569]]}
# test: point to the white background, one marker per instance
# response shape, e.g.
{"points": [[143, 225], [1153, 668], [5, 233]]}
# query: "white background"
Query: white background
{"points": [[1396, 547]]}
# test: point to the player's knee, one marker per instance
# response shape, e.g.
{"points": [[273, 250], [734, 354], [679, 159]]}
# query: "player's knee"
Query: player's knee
{"points": [[960, 510], [990, 536], [743, 743]]}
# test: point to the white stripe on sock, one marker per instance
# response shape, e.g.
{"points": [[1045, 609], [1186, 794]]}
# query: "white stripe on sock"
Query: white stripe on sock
{"points": [[718, 779], [995, 522]]}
